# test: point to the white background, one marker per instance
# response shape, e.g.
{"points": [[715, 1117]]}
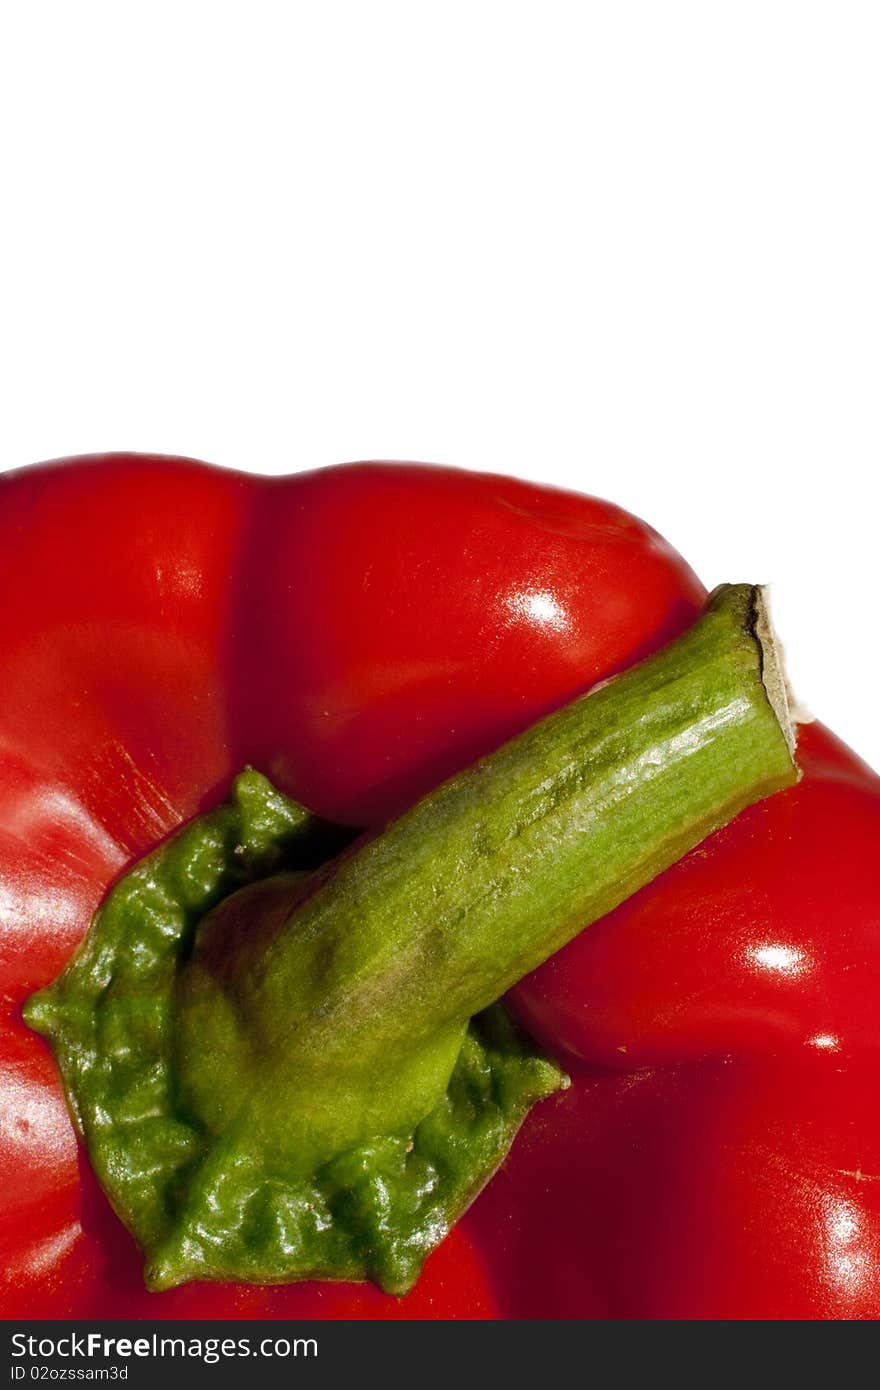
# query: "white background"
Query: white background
{"points": [[633, 248]]}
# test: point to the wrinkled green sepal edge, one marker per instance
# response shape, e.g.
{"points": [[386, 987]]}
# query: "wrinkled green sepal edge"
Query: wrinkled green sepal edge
{"points": [[213, 1208]]}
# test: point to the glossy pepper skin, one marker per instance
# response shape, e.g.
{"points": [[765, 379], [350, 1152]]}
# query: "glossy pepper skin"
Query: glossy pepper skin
{"points": [[360, 633]]}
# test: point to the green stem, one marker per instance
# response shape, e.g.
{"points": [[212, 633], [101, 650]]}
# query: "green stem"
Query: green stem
{"points": [[431, 921]]}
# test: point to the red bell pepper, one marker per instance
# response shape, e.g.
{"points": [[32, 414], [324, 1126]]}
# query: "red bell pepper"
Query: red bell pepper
{"points": [[360, 633]]}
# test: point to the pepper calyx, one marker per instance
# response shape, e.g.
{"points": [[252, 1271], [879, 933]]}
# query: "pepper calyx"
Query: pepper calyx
{"points": [[248, 1199]]}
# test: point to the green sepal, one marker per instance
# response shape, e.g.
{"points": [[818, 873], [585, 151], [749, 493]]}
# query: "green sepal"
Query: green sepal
{"points": [[216, 1205], [375, 1211]]}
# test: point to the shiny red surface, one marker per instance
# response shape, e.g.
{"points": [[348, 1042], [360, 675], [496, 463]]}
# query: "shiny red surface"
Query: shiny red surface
{"points": [[359, 634], [736, 1189], [405, 621]]}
